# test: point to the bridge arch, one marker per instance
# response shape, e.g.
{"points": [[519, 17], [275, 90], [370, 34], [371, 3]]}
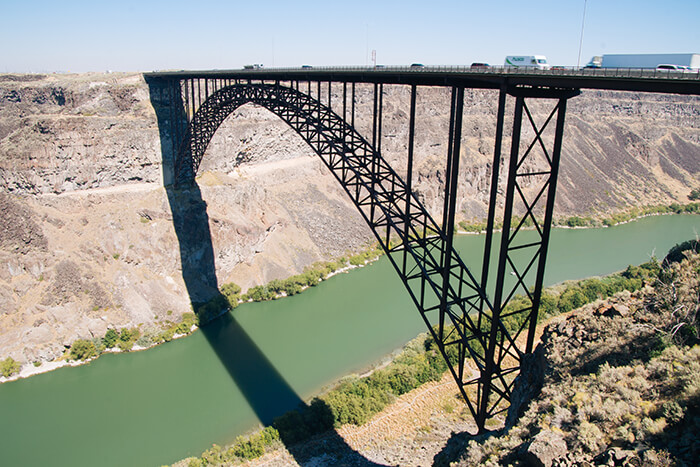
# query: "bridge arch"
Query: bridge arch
{"points": [[323, 130], [441, 286]]}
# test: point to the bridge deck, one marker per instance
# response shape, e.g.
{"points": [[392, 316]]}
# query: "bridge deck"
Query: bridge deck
{"points": [[618, 79]]}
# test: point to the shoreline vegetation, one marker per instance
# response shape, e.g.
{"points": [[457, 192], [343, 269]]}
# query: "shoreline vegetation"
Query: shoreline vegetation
{"points": [[230, 296], [135, 339], [593, 221]]}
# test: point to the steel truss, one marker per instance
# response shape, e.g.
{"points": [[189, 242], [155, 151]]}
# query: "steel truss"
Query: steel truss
{"points": [[463, 320]]}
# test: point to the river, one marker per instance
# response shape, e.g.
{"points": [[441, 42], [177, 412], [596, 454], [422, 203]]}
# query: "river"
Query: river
{"points": [[157, 406]]}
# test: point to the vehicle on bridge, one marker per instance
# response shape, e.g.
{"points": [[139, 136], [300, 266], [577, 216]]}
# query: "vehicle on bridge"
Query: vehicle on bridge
{"points": [[255, 66], [674, 68], [650, 60], [526, 61], [479, 66], [595, 62]]}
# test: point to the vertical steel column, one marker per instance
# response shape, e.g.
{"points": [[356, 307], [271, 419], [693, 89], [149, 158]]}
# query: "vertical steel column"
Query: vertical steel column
{"points": [[374, 150], [489, 368], [352, 118], [379, 122], [451, 178], [409, 175], [174, 123], [199, 94], [187, 100], [495, 169], [345, 118], [345, 101], [193, 101]]}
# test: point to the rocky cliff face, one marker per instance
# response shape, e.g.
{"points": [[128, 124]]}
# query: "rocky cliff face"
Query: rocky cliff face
{"points": [[87, 239]]}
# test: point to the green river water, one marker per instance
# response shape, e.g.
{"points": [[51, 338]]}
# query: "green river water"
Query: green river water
{"points": [[160, 405]]}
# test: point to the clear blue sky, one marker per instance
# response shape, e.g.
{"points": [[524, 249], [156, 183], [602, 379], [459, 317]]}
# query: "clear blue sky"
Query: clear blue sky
{"points": [[128, 35]]}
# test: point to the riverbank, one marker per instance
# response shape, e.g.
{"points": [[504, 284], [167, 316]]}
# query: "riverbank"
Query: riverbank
{"points": [[209, 311], [591, 222], [32, 369]]}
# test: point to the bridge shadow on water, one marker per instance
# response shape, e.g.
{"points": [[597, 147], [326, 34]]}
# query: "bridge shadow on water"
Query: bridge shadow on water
{"points": [[265, 389]]}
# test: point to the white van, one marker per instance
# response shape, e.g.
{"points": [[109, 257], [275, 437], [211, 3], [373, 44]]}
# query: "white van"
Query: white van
{"points": [[527, 61]]}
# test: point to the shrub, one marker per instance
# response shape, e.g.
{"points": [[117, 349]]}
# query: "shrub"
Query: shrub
{"points": [[593, 289], [291, 427], [9, 367], [572, 298], [678, 252], [475, 227], [211, 309], [232, 293], [82, 349], [167, 335], [676, 301], [258, 293], [128, 338], [110, 338], [575, 221], [145, 341]]}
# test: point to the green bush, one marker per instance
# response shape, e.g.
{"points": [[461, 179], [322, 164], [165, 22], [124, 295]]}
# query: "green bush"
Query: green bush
{"points": [[310, 277], [82, 349], [232, 293], [476, 227], [211, 309], [167, 335], [572, 298], [576, 221], [9, 367], [127, 339], [110, 338], [183, 328], [253, 446]]}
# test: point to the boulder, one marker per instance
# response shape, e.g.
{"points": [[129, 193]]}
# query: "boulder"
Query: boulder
{"points": [[544, 448]]}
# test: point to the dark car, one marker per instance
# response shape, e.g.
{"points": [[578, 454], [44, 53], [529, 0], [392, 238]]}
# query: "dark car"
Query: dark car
{"points": [[417, 65], [480, 66]]}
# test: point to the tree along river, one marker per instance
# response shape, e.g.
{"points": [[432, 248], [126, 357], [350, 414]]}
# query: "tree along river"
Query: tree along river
{"points": [[175, 400]]}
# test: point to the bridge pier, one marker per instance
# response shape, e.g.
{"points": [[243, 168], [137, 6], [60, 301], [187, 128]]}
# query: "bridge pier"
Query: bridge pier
{"points": [[503, 354]]}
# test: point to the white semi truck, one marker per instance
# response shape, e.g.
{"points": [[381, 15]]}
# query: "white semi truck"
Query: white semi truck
{"points": [[649, 60], [526, 61]]}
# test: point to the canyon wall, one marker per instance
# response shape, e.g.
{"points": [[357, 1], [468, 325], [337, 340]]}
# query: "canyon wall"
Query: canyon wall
{"points": [[87, 239]]}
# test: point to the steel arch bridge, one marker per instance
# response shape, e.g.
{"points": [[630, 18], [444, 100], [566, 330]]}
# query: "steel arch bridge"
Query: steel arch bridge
{"points": [[466, 321]]}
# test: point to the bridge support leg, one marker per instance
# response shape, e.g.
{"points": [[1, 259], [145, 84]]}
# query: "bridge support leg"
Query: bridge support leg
{"points": [[530, 193]]}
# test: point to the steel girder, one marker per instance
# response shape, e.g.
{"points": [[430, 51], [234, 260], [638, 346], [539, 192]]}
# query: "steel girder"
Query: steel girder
{"points": [[462, 319]]}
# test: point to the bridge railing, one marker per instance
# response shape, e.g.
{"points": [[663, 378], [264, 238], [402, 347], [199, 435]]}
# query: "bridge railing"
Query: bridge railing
{"points": [[501, 70]]}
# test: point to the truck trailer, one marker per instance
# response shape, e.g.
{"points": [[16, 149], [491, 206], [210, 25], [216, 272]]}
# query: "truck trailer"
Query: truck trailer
{"points": [[649, 60]]}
